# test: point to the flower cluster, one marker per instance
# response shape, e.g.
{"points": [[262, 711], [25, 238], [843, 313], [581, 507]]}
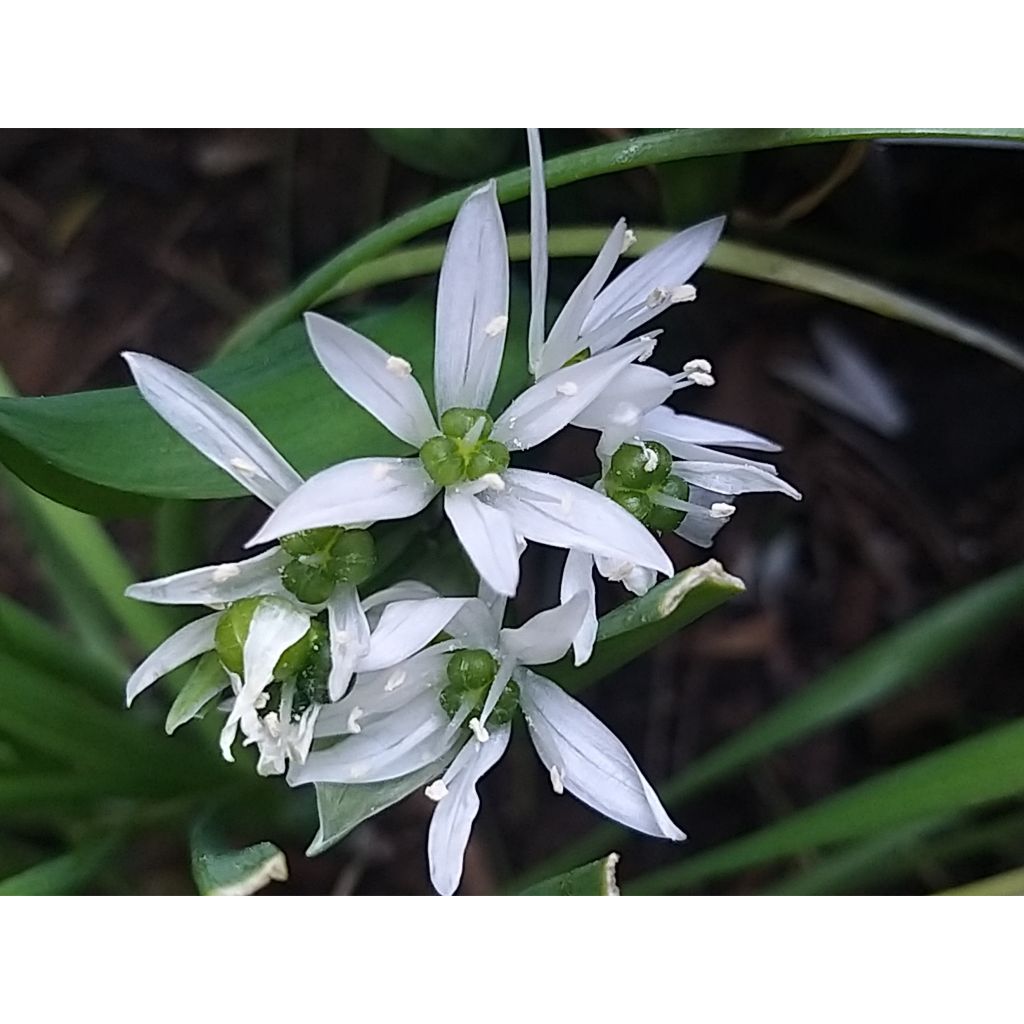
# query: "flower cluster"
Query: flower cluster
{"points": [[335, 678]]}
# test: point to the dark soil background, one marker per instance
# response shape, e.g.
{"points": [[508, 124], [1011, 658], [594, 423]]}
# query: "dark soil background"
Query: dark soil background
{"points": [[161, 241]]}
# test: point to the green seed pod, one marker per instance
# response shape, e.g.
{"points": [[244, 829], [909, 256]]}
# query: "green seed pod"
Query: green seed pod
{"points": [[311, 684], [311, 542], [472, 670], [451, 698], [353, 557], [458, 422], [667, 519], [506, 707], [636, 503], [490, 457], [309, 582], [232, 630], [441, 459], [641, 466]]}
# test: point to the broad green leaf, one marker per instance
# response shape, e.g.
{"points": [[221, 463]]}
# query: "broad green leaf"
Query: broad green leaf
{"points": [[21, 790], [731, 257], [459, 153], [886, 666], [342, 807], [1009, 883], [641, 623], [64, 875], [220, 871], [594, 879], [205, 682], [966, 774]]}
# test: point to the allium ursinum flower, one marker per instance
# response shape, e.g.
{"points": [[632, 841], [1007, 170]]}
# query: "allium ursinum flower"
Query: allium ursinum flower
{"points": [[465, 453], [452, 706], [310, 573]]}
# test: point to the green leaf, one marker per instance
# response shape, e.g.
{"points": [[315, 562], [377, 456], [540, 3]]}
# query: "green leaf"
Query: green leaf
{"points": [[64, 875], [342, 807], [459, 153], [220, 871], [1009, 883], [643, 622], [203, 685], [594, 879], [878, 671], [969, 773]]}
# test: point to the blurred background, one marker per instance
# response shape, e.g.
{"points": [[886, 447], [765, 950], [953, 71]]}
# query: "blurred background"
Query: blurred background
{"points": [[906, 445]]}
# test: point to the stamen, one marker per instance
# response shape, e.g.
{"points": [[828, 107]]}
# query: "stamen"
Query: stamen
{"points": [[398, 366], [353, 720], [698, 371], [395, 680], [684, 293], [496, 326], [650, 457], [658, 297], [478, 730], [223, 573], [493, 481], [261, 701], [695, 365], [557, 779], [568, 389], [436, 791], [722, 510], [628, 240]]}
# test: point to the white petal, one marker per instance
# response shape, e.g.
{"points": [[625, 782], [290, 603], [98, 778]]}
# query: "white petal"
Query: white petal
{"points": [[455, 813], [215, 427], [538, 249], [636, 580], [407, 626], [633, 392], [216, 585], [592, 764], [394, 745], [486, 535], [180, 647], [403, 590], [555, 400], [667, 266], [730, 478], [381, 383], [668, 427], [578, 578], [548, 635], [472, 305], [550, 510], [357, 491], [476, 625], [349, 637], [564, 340]]}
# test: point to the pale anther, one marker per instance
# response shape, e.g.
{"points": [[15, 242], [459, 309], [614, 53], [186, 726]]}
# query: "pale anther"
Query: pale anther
{"points": [[650, 458], [657, 297], [697, 366], [684, 293], [568, 389], [557, 777], [628, 240], [496, 326], [722, 510], [436, 791], [398, 366], [493, 481], [223, 573], [478, 730], [353, 720]]}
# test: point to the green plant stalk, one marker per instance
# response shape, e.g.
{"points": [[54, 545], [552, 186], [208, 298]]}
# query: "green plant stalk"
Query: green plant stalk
{"points": [[730, 257], [970, 773], [664, 147], [594, 879], [1009, 883], [886, 666]]}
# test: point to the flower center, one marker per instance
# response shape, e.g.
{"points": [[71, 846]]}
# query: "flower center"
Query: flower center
{"points": [[470, 675], [637, 476], [463, 450], [325, 557]]}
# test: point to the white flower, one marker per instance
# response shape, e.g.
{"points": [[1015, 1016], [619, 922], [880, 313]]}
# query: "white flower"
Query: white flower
{"points": [[490, 506], [415, 714]]}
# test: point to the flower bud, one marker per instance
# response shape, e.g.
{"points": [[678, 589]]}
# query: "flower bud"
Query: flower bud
{"points": [[442, 461], [458, 422], [641, 465]]}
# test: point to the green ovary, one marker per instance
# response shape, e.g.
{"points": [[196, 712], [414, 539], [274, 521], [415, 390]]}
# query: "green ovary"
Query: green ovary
{"points": [[470, 675], [637, 475], [323, 558], [463, 450]]}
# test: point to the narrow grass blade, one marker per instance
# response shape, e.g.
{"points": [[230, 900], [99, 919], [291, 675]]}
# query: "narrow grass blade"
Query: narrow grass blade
{"points": [[594, 879]]}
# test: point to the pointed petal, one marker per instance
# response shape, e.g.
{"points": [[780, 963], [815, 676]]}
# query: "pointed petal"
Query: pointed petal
{"points": [[180, 647], [564, 340], [555, 400], [623, 402], [216, 585], [486, 535], [406, 627], [548, 635], [668, 427], [589, 761], [730, 478], [455, 813], [476, 625], [549, 510], [357, 491], [276, 625], [667, 266], [381, 383], [538, 250], [215, 427], [635, 580], [349, 637], [472, 305], [394, 745], [403, 590], [578, 578]]}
